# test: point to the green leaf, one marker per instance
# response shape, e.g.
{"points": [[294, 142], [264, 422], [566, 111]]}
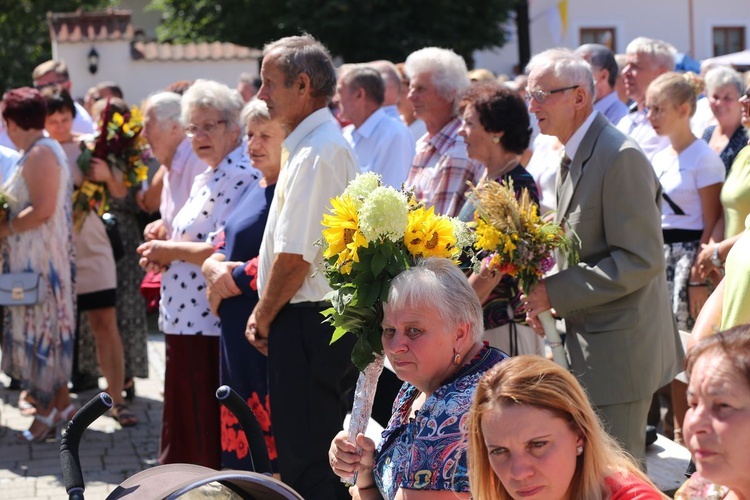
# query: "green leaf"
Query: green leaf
{"points": [[362, 353], [378, 263], [337, 334]]}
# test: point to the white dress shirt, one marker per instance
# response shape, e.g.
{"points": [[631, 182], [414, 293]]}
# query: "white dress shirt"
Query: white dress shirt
{"points": [[319, 165], [383, 146]]}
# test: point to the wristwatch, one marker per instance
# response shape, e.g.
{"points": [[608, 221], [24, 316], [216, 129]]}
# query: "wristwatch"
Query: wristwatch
{"points": [[715, 260]]}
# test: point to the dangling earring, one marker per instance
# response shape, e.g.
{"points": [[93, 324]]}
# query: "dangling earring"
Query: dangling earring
{"points": [[496, 140], [456, 359], [579, 450]]}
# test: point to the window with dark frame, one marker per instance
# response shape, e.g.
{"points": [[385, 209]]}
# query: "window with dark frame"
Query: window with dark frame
{"points": [[728, 39], [602, 36]]}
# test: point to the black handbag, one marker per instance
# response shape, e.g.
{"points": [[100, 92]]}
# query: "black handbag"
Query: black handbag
{"points": [[113, 233]]}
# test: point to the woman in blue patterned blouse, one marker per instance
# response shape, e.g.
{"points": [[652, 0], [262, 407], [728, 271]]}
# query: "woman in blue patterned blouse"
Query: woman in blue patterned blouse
{"points": [[432, 330]]}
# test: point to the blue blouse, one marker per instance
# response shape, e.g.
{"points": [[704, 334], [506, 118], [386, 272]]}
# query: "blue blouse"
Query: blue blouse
{"points": [[428, 452]]}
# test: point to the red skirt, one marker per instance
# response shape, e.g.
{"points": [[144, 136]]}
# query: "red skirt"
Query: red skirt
{"points": [[190, 430]]}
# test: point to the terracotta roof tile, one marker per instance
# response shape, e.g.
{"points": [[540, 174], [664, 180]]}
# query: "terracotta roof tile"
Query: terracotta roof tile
{"points": [[81, 26], [204, 51], [114, 24]]}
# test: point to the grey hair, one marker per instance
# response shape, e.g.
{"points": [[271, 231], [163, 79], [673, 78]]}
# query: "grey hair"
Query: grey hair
{"points": [[389, 72], [296, 55], [439, 283], [721, 76], [209, 94], [661, 53], [599, 56], [447, 68], [368, 79], [166, 107], [255, 110], [566, 66]]}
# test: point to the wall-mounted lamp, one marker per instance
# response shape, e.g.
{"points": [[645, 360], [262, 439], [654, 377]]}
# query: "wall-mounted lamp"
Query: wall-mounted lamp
{"points": [[93, 61]]}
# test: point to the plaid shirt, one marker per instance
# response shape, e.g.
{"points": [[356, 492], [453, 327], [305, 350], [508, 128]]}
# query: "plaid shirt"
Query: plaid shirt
{"points": [[441, 169]]}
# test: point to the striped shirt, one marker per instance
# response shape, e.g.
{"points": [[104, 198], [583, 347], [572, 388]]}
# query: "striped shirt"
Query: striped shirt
{"points": [[441, 169]]}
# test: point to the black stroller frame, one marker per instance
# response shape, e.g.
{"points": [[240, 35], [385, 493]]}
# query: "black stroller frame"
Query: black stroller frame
{"points": [[174, 480]]}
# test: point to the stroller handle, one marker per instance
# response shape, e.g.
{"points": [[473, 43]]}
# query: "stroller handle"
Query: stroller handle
{"points": [[249, 423], [71, 464]]}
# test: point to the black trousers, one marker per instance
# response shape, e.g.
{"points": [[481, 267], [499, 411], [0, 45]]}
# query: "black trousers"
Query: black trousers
{"points": [[310, 381]]}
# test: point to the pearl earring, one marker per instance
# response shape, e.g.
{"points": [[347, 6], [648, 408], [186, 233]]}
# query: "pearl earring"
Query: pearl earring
{"points": [[579, 450], [456, 359], [496, 140]]}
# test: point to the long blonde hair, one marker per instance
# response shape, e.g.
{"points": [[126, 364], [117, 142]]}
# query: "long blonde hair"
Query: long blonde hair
{"points": [[540, 383]]}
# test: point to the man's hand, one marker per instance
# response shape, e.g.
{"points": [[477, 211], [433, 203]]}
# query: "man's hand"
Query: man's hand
{"points": [[536, 301], [257, 334]]}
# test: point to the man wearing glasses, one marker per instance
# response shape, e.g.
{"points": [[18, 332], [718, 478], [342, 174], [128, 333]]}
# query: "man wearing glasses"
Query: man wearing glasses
{"points": [[621, 336], [54, 75]]}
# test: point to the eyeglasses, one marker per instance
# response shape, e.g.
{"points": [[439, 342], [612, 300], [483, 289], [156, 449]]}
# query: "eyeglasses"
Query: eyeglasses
{"points": [[540, 95], [206, 129], [50, 84]]}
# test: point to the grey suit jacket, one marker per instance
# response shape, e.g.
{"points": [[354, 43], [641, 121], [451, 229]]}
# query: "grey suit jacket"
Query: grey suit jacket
{"points": [[621, 335]]}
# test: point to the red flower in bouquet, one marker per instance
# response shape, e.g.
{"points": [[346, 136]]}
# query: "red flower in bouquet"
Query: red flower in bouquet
{"points": [[118, 142]]}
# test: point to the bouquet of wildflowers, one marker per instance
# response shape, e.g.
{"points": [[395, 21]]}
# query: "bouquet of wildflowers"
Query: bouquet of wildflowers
{"points": [[372, 234], [519, 241], [119, 142]]}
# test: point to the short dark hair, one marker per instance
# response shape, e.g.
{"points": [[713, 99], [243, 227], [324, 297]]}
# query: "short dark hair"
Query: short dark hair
{"points": [[599, 56], [60, 101], [113, 88], [733, 344], [368, 79], [26, 107], [500, 110], [304, 54]]}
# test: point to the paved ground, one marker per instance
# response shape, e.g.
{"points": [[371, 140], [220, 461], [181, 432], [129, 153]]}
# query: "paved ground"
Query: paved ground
{"points": [[109, 453]]}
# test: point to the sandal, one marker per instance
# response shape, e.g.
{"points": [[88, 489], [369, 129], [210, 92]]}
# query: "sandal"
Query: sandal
{"points": [[48, 430], [124, 416], [128, 389], [67, 414], [26, 404]]}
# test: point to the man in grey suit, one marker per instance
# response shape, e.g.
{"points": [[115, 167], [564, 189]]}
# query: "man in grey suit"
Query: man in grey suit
{"points": [[621, 336]]}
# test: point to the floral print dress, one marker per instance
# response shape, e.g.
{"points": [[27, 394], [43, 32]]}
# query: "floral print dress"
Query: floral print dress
{"points": [[38, 340]]}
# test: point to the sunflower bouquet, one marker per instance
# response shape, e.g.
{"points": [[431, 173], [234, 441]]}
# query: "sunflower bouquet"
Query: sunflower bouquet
{"points": [[520, 243], [120, 143], [372, 234]]}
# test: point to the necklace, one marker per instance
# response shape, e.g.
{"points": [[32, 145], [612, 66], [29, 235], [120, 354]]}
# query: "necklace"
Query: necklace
{"points": [[503, 170]]}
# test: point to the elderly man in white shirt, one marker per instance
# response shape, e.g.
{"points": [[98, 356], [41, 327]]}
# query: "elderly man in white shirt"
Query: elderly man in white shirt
{"points": [[309, 378], [383, 145], [646, 59]]}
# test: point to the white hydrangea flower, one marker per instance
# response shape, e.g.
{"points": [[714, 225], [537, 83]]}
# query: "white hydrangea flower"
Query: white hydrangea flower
{"points": [[464, 236], [383, 214], [361, 187]]}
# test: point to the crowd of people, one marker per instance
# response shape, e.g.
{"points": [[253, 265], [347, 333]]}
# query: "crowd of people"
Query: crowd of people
{"points": [[654, 184]]}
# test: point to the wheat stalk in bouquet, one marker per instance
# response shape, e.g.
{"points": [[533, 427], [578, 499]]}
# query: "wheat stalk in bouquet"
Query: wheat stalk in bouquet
{"points": [[520, 242], [372, 233]]}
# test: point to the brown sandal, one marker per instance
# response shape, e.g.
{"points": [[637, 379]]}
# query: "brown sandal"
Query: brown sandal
{"points": [[124, 416]]}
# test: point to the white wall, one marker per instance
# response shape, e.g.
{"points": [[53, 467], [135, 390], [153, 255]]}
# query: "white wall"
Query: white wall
{"points": [[140, 78], [663, 19]]}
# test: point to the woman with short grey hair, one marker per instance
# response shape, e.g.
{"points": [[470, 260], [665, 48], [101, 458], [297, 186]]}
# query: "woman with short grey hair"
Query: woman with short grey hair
{"points": [[724, 87], [231, 284], [432, 329], [210, 115]]}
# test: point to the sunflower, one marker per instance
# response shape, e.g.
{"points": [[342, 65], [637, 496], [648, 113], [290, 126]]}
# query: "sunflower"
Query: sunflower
{"points": [[430, 235], [342, 234]]}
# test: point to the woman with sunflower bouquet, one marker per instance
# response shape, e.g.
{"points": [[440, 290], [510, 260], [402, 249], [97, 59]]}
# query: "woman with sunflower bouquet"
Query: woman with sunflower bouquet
{"points": [[96, 278], [124, 173], [496, 131]]}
